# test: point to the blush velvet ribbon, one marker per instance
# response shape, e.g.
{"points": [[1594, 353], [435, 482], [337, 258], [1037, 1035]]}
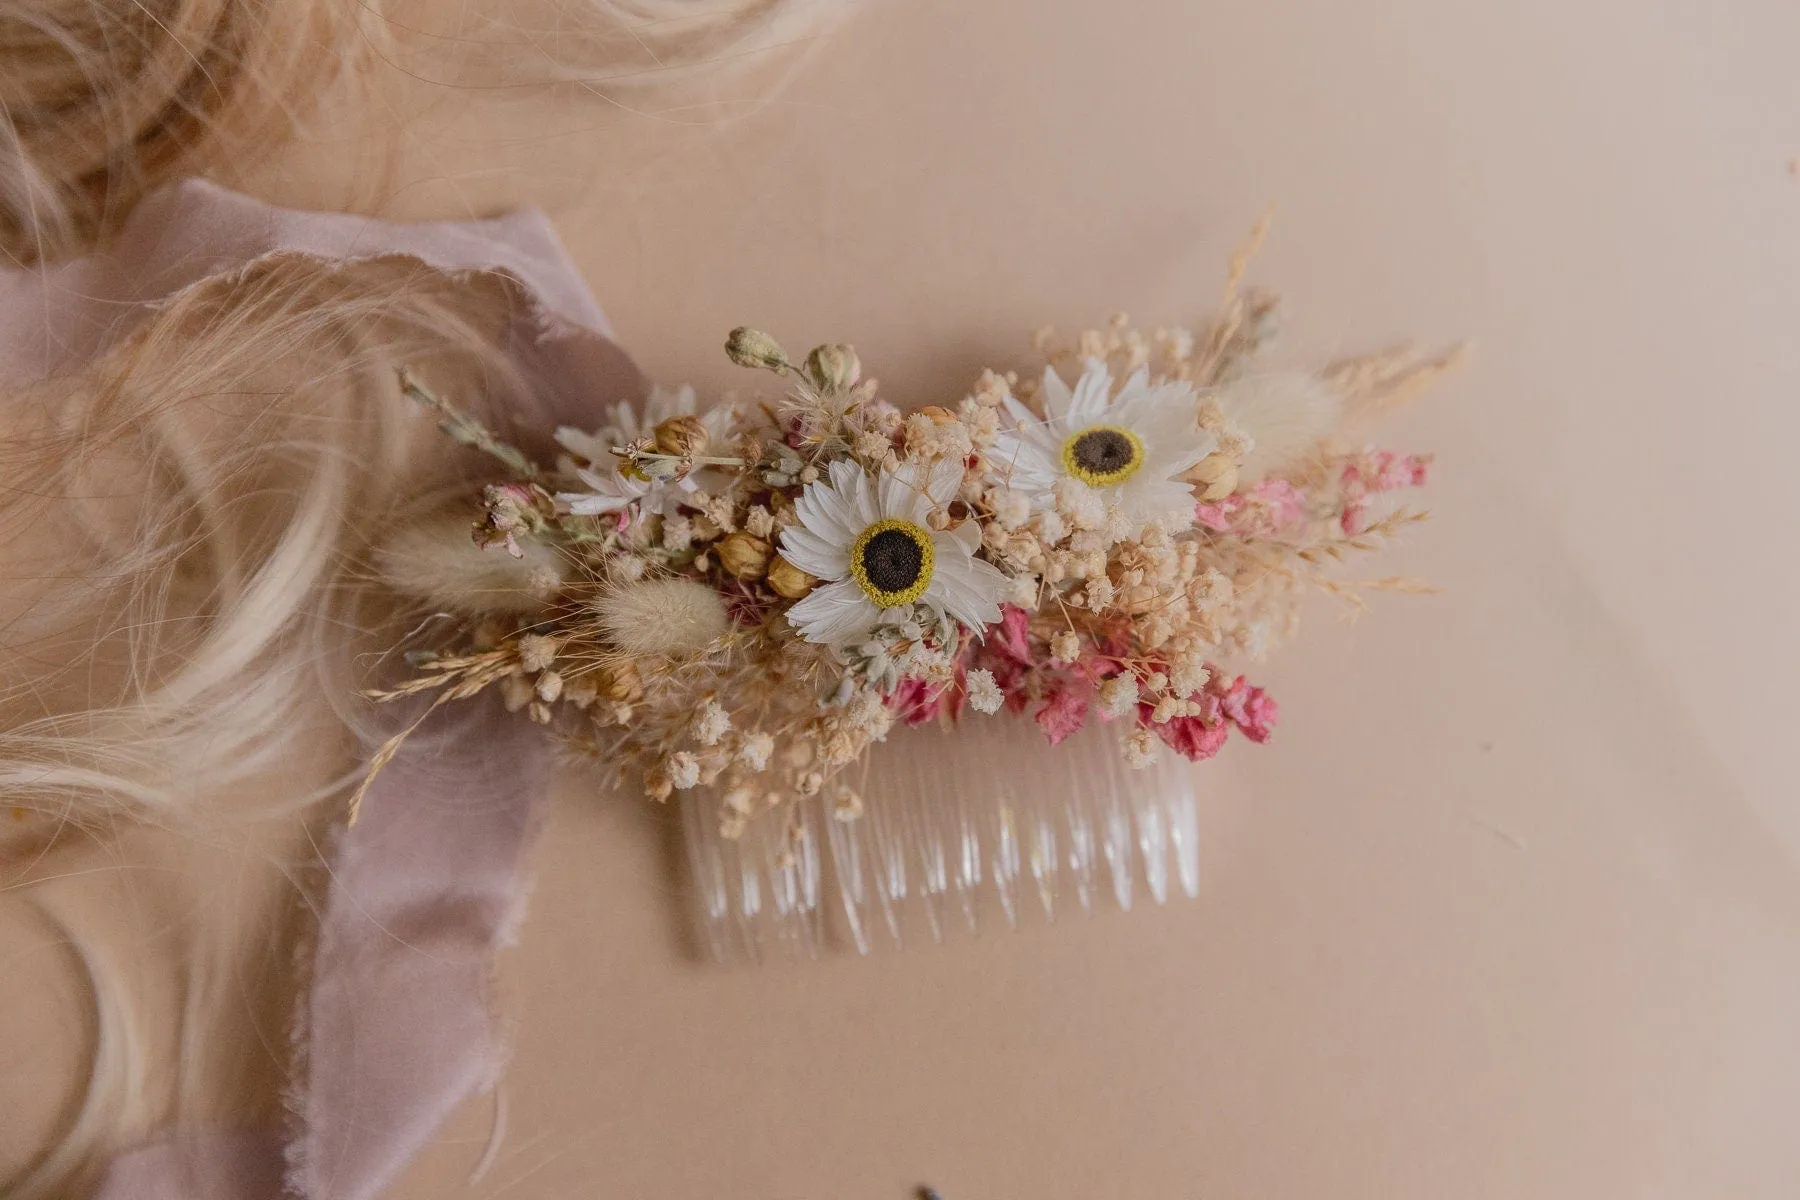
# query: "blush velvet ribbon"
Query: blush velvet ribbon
{"points": [[395, 1029]]}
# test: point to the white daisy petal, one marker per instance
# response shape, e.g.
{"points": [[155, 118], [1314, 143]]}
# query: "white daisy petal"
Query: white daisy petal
{"points": [[862, 499], [899, 494], [587, 504], [1024, 465], [843, 475], [828, 513], [835, 614], [1055, 395], [967, 535], [944, 482], [1088, 404], [817, 556], [1168, 500], [590, 447], [965, 587], [1020, 415]]}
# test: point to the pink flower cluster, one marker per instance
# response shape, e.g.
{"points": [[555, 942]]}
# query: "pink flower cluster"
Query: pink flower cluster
{"points": [[1067, 694], [1378, 471], [1252, 711], [1272, 507]]}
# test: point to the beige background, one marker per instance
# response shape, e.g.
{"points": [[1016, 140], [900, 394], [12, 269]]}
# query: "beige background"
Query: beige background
{"points": [[1511, 908]]}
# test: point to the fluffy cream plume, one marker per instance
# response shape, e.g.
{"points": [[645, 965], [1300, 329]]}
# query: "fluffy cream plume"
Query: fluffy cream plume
{"points": [[672, 618], [435, 560], [1286, 413]]}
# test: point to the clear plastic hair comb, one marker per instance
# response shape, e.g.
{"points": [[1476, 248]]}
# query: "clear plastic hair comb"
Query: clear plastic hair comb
{"points": [[950, 841]]}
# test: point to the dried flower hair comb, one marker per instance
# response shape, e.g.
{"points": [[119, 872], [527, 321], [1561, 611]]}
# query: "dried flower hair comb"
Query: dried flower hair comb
{"points": [[733, 604]]}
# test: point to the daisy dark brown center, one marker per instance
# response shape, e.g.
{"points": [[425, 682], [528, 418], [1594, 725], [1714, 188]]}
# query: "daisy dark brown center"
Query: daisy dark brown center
{"points": [[892, 562], [1103, 455]]}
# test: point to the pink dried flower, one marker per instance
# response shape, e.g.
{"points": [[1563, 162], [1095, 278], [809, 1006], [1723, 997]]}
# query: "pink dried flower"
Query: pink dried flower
{"points": [[1217, 515], [917, 701], [1066, 711], [1271, 507], [509, 509], [1251, 709], [1190, 737], [1014, 636], [1376, 472], [1285, 505]]}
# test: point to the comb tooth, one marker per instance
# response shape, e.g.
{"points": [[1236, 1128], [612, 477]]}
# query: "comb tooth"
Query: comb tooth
{"points": [[774, 860], [749, 906], [965, 878], [1040, 832], [1152, 831], [1115, 830], [1082, 848], [806, 873], [887, 837], [845, 840], [1005, 839], [704, 860], [934, 872], [1184, 829], [918, 820]]}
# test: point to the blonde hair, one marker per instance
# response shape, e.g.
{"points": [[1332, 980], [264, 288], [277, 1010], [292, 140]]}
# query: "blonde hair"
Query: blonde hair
{"points": [[186, 612], [193, 622], [102, 102]]}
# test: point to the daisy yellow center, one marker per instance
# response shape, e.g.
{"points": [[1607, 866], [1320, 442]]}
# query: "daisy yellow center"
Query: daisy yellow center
{"points": [[1103, 455], [892, 562]]}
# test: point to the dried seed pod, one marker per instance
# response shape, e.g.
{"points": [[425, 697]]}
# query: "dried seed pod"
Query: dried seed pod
{"points": [[1216, 476], [788, 580], [745, 555], [619, 682], [682, 436]]}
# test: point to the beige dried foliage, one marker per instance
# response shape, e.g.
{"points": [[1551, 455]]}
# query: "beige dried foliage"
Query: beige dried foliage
{"points": [[673, 618], [434, 559]]}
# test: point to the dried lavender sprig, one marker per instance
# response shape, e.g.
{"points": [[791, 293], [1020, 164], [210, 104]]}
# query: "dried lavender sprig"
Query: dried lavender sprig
{"points": [[467, 430]]}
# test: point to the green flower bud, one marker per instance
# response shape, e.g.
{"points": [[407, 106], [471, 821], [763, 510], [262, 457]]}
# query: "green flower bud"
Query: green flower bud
{"points": [[834, 368], [753, 348]]}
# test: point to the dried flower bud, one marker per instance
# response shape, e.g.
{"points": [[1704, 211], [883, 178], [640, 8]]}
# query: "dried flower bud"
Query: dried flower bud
{"points": [[745, 556], [620, 683], [684, 770], [682, 436], [537, 652], [833, 368], [938, 414], [1216, 476], [848, 806], [753, 348], [788, 580], [516, 692]]}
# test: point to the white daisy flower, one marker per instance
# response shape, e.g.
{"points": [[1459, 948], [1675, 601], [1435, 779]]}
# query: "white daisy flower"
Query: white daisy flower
{"points": [[1130, 448], [592, 461], [868, 539]]}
